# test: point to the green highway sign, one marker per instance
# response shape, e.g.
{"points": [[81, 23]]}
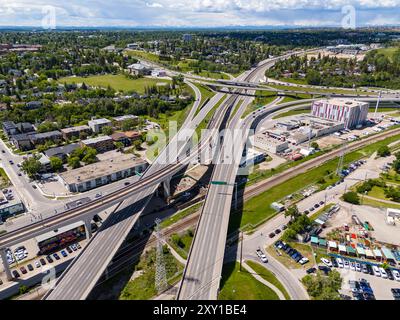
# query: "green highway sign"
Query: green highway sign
{"points": [[138, 174], [219, 182]]}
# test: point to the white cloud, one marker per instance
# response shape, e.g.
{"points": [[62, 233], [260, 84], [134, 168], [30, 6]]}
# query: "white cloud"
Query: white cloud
{"points": [[198, 12]]}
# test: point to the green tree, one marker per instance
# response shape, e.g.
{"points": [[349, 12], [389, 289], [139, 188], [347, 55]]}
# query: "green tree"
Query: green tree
{"points": [[119, 146], [107, 130], [137, 144], [292, 212], [351, 197], [31, 166], [321, 287], [383, 151], [128, 124], [56, 164], [90, 155], [314, 145], [74, 162]]}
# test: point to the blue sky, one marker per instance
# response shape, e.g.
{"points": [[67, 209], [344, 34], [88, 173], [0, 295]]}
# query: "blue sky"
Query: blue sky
{"points": [[198, 13]]}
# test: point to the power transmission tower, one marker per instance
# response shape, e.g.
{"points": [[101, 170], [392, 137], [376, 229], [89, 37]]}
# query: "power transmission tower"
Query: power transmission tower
{"points": [[161, 275]]}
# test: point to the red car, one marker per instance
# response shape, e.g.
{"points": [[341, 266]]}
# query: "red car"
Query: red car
{"points": [[23, 270]]}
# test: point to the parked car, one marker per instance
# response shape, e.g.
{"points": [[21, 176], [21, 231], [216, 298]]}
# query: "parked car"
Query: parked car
{"points": [[389, 274], [383, 273], [42, 262], [277, 231], [69, 249], [15, 274], [49, 259], [78, 245], [334, 262], [364, 268], [396, 275], [56, 256], [64, 254], [37, 264], [30, 268], [272, 234], [326, 262], [358, 267], [346, 264], [340, 262], [311, 270], [23, 270], [376, 271]]}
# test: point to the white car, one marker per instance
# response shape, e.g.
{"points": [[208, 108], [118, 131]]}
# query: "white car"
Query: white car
{"points": [[346, 264], [340, 262], [303, 260], [383, 273], [352, 266], [37, 264], [376, 271], [264, 258], [358, 267], [396, 275], [326, 262]]}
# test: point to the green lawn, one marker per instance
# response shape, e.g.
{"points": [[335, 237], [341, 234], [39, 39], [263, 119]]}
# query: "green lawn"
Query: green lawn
{"points": [[206, 95], [143, 286], [4, 180], [291, 113], [318, 90], [378, 204], [315, 215], [180, 215], [143, 54], [388, 52], [268, 276], [118, 82], [213, 75], [262, 98], [377, 192], [184, 246], [241, 285], [257, 209]]}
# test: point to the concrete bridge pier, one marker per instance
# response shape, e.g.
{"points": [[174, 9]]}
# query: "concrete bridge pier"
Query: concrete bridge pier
{"points": [[5, 264], [88, 228], [167, 187]]}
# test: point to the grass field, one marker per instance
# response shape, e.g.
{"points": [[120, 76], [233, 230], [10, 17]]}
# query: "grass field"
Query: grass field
{"points": [[213, 75], [185, 243], [377, 192], [118, 82], [241, 285], [291, 113], [262, 99], [268, 276], [377, 203], [257, 209], [206, 94], [318, 90], [143, 286], [388, 52], [180, 215], [4, 180]]}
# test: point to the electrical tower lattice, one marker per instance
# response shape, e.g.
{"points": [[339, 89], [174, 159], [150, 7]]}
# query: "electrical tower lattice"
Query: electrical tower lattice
{"points": [[161, 274]]}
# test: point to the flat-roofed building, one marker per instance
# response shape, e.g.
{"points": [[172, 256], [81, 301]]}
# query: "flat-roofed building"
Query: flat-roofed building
{"points": [[101, 143], [351, 112], [10, 205], [118, 121], [121, 137], [103, 172], [267, 143], [74, 132], [97, 124]]}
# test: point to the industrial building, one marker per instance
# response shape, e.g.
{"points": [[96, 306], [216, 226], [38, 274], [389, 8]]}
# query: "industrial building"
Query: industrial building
{"points": [[101, 173], [268, 143], [252, 157], [351, 112]]}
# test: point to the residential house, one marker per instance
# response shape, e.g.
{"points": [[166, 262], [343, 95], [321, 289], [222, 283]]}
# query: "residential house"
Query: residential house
{"points": [[41, 138], [61, 152], [121, 137]]}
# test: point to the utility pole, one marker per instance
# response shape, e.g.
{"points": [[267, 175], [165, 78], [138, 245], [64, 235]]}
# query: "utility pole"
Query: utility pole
{"points": [[161, 275], [377, 104], [241, 250]]}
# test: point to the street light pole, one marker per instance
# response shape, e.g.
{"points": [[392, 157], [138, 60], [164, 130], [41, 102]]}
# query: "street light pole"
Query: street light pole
{"points": [[241, 249]]}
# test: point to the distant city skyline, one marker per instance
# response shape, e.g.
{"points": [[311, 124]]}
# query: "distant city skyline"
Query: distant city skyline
{"points": [[199, 13]]}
